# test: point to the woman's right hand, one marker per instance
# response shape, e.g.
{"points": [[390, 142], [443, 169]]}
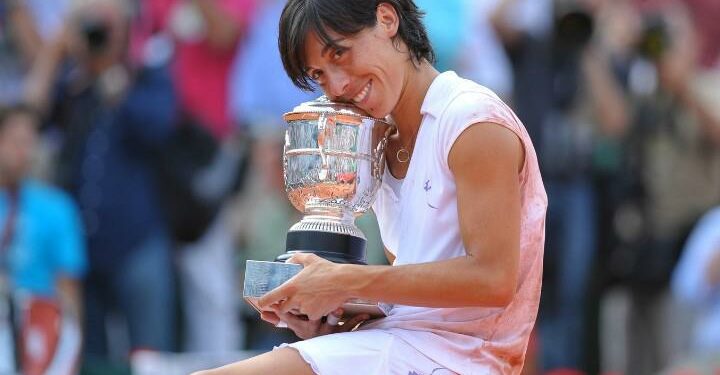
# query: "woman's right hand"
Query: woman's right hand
{"points": [[307, 329]]}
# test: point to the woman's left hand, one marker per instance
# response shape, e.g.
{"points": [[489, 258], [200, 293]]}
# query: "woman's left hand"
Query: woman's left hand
{"points": [[307, 329], [316, 291]]}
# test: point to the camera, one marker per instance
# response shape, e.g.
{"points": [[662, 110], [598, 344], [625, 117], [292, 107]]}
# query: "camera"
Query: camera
{"points": [[654, 38], [96, 33], [573, 29]]}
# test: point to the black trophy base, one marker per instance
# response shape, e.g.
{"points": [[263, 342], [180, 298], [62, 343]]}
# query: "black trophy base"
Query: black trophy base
{"points": [[335, 247]]}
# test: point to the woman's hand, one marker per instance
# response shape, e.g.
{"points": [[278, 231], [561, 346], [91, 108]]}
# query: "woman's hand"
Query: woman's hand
{"points": [[316, 291], [307, 329]]}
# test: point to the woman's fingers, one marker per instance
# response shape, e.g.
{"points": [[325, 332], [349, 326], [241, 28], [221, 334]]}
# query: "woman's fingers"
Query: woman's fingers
{"points": [[314, 315], [303, 328], [288, 306], [303, 259], [307, 328], [274, 296], [270, 317], [288, 317]]}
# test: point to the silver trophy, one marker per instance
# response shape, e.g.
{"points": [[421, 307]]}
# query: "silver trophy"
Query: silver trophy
{"points": [[334, 159]]}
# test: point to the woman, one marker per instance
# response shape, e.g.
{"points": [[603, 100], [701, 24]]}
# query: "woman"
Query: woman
{"points": [[461, 210]]}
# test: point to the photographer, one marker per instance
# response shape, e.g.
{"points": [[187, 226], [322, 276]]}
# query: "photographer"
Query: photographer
{"points": [[676, 39], [111, 114]]}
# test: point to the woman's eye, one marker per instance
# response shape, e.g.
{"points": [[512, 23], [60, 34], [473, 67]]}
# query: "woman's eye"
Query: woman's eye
{"points": [[338, 54], [315, 75]]}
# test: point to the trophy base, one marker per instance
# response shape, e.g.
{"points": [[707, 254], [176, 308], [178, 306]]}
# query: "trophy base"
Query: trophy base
{"points": [[335, 247], [262, 277]]}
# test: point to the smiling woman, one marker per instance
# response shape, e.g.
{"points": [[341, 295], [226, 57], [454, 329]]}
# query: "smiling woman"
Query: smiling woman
{"points": [[461, 210]]}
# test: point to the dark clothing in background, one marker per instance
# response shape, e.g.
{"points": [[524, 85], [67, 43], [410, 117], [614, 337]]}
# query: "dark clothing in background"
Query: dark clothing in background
{"points": [[104, 162], [532, 91]]}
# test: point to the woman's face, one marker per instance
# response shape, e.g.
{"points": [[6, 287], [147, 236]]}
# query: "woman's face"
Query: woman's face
{"points": [[367, 69]]}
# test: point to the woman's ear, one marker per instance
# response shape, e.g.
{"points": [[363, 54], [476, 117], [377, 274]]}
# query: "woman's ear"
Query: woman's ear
{"points": [[387, 19]]}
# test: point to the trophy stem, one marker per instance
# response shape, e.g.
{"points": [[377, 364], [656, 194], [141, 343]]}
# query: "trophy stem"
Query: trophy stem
{"points": [[331, 234]]}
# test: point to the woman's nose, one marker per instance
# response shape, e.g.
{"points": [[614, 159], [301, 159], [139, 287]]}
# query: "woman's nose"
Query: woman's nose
{"points": [[337, 85]]}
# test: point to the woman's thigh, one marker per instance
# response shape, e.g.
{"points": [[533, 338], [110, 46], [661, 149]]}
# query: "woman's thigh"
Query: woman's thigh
{"points": [[365, 352], [284, 361]]}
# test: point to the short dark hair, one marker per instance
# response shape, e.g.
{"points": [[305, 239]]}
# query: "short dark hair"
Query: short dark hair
{"points": [[21, 109], [345, 17]]}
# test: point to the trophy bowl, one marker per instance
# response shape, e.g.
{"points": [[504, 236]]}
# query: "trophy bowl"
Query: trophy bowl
{"points": [[333, 164]]}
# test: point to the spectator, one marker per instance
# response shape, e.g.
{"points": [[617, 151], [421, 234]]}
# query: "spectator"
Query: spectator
{"points": [[113, 116], [42, 245]]}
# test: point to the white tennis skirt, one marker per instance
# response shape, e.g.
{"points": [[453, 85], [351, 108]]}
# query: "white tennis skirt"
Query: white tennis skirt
{"points": [[365, 352]]}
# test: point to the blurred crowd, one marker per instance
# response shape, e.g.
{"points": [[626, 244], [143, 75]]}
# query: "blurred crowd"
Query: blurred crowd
{"points": [[141, 165]]}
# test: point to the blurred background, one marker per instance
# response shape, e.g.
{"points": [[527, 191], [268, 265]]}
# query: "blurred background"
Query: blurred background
{"points": [[140, 166]]}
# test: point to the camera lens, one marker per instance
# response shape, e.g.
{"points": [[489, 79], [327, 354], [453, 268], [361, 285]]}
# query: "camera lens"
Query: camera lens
{"points": [[96, 35], [654, 39], [574, 29]]}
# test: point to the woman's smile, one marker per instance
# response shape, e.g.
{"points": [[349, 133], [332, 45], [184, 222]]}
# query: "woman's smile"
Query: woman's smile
{"points": [[361, 97]]}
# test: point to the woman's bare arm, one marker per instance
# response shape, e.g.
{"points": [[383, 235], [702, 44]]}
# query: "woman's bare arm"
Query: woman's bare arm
{"points": [[486, 160]]}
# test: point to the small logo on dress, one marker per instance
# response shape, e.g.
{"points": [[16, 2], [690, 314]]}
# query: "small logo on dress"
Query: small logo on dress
{"points": [[427, 187]]}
